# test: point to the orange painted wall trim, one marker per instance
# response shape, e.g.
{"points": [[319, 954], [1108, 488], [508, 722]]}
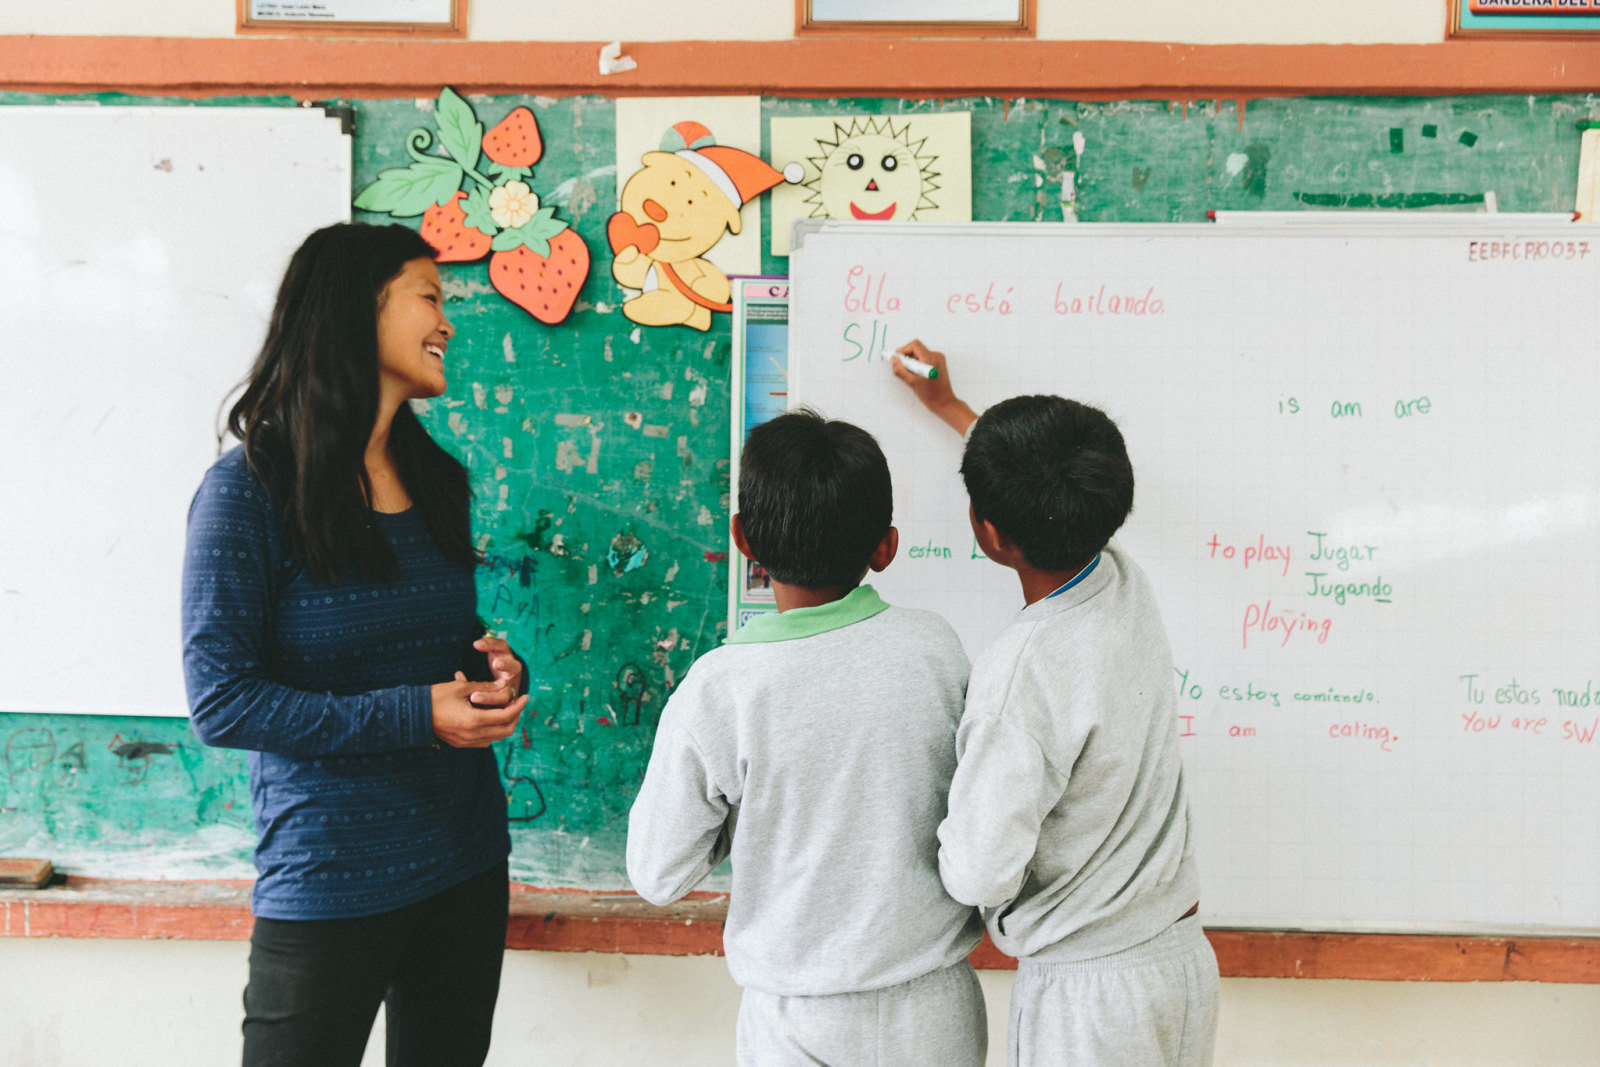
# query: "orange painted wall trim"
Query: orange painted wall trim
{"points": [[320, 68], [570, 920]]}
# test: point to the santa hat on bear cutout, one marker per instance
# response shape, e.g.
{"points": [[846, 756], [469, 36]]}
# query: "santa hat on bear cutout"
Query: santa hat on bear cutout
{"points": [[739, 175]]}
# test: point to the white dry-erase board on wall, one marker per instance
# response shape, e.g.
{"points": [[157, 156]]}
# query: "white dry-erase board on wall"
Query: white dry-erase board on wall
{"points": [[1368, 497], [140, 252]]}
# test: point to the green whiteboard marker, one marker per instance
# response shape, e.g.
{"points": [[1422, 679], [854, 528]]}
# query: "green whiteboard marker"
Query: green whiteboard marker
{"points": [[916, 366]]}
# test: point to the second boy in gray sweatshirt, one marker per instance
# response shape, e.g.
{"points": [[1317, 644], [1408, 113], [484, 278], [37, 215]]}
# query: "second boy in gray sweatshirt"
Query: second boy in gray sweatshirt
{"points": [[816, 748]]}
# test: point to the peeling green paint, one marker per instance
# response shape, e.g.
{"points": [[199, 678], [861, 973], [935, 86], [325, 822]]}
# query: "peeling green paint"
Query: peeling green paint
{"points": [[557, 499]]}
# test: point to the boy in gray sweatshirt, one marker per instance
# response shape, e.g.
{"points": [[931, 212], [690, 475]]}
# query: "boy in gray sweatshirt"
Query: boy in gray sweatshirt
{"points": [[816, 748], [1068, 820]]}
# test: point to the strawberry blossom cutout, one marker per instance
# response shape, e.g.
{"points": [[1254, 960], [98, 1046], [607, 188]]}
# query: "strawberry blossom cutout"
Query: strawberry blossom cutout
{"points": [[512, 205], [536, 260]]}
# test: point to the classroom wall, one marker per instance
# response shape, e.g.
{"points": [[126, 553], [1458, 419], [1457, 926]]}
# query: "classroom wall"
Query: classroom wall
{"points": [[153, 1004], [1192, 21], [137, 1003]]}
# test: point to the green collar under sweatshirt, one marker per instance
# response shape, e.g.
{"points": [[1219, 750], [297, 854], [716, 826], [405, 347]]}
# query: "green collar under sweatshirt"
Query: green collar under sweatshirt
{"points": [[862, 602]]}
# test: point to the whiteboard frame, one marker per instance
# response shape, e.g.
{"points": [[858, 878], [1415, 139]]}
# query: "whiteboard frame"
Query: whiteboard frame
{"points": [[1543, 225]]}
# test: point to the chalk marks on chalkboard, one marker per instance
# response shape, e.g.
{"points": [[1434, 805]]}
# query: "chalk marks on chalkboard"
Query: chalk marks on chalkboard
{"points": [[28, 750], [34, 750], [1410, 201], [525, 801], [1250, 168], [1394, 140], [135, 756], [633, 691], [627, 553], [124, 798]]}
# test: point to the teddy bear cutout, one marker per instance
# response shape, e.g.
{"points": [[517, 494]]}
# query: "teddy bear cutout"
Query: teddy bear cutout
{"points": [[674, 210]]}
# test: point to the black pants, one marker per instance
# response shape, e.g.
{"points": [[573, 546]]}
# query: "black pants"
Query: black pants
{"points": [[315, 986]]}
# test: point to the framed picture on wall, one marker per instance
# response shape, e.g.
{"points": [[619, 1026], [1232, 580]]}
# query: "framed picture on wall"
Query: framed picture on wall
{"points": [[366, 18], [1520, 18], [917, 18]]}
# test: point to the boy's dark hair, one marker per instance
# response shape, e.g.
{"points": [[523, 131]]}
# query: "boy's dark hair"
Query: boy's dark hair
{"points": [[1052, 475], [814, 499]]}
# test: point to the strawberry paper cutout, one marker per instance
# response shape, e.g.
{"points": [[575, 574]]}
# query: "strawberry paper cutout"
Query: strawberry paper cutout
{"points": [[535, 259], [544, 285], [444, 226], [514, 141]]}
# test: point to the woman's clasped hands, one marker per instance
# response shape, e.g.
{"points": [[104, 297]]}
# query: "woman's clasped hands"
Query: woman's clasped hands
{"points": [[476, 714]]}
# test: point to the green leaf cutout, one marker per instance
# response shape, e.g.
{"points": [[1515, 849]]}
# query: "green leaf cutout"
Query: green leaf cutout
{"points": [[499, 173], [475, 205], [535, 234], [506, 240], [544, 226], [406, 191], [459, 128]]}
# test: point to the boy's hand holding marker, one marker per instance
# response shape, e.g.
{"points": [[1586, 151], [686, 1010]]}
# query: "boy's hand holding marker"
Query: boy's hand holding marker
{"points": [[932, 385]]}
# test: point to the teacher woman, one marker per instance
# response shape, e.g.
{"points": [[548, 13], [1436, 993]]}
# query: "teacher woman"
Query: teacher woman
{"points": [[330, 628]]}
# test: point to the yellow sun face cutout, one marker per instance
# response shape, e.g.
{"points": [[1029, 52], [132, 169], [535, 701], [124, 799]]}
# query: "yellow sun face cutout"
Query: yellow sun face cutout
{"points": [[872, 168], [871, 171], [872, 177]]}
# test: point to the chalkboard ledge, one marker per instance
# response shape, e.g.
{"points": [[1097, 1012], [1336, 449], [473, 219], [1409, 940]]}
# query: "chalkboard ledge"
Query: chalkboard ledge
{"points": [[572, 920]]}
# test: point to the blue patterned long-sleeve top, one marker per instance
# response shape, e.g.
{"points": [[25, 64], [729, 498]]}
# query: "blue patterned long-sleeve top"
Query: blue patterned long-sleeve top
{"points": [[358, 810]]}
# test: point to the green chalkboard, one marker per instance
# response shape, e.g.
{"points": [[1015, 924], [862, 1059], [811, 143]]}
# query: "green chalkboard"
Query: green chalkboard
{"points": [[599, 451]]}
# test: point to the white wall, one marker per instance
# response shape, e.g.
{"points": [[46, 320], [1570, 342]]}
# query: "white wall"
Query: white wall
{"points": [[85, 1003], [1194, 21]]}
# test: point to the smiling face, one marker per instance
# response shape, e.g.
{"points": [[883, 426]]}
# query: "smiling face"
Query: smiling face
{"points": [[681, 202], [870, 176], [412, 333]]}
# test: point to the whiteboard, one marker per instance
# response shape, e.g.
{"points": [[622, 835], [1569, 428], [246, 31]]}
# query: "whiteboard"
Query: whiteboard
{"points": [[140, 253], [1367, 463]]}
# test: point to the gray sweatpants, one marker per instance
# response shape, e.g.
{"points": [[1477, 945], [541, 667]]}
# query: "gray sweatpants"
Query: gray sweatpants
{"points": [[1153, 1004], [937, 1019]]}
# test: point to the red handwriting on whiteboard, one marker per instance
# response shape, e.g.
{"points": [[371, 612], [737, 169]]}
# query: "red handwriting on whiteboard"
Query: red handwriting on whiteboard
{"points": [[1484, 251], [865, 293], [988, 302], [1100, 302], [1582, 733], [1282, 624], [1473, 723], [1248, 554], [1364, 731]]}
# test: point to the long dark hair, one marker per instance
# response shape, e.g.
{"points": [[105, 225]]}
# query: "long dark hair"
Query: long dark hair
{"points": [[311, 399]]}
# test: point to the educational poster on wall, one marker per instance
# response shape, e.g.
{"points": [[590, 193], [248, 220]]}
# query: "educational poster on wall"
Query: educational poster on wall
{"points": [[872, 168], [1525, 17], [759, 387], [688, 172], [361, 12]]}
